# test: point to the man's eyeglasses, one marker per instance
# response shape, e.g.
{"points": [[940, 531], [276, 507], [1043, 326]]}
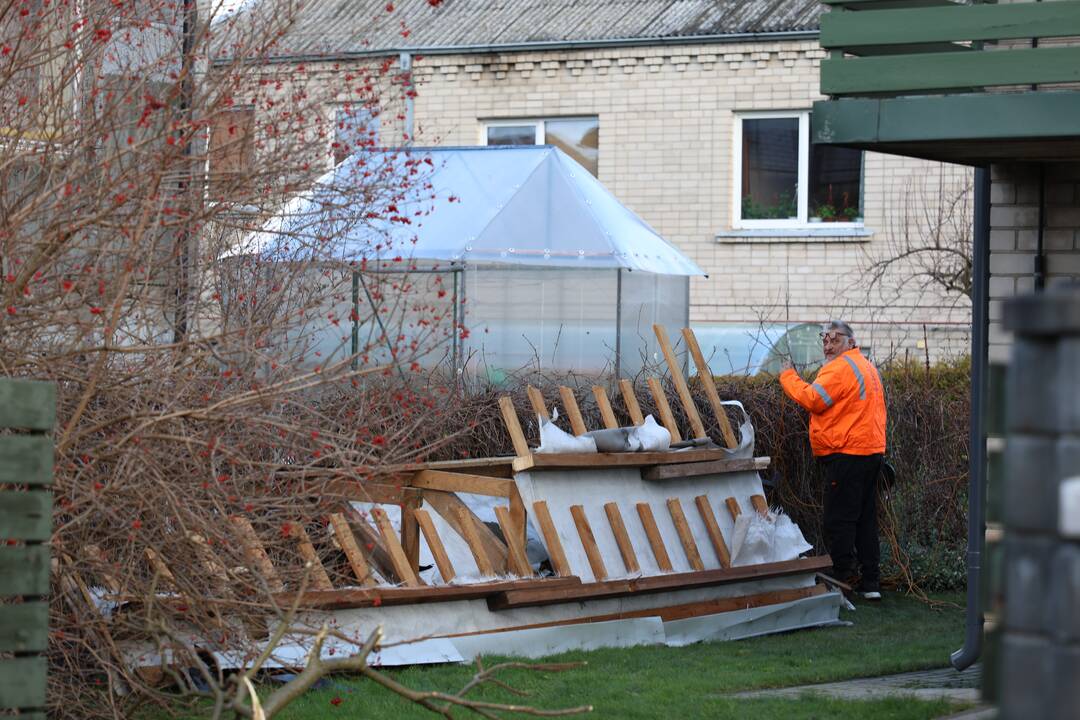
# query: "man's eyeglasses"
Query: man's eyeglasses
{"points": [[832, 336]]}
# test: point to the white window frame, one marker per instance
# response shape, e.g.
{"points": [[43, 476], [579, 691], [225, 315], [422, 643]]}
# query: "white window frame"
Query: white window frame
{"points": [[802, 219], [537, 123]]}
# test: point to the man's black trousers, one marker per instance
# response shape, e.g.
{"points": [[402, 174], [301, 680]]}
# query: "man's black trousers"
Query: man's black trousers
{"points": [[850, 521]]}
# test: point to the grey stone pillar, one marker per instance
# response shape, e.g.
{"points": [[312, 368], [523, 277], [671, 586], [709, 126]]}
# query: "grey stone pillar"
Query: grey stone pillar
{"points": [[1039, 666]]}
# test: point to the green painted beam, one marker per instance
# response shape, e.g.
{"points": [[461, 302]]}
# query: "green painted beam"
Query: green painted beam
{"points": [[27, 404], [24, 570], [887, 4], [26, 515], [24, 628], [976, 116], [26, 459], [22, 682], [943, 71], [950, 24]]}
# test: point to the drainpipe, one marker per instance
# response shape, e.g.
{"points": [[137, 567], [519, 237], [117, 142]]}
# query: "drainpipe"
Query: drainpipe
{"points": [[973, 627]]}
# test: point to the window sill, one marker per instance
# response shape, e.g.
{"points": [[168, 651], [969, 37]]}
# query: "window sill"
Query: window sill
{"points": [[813, 232]]}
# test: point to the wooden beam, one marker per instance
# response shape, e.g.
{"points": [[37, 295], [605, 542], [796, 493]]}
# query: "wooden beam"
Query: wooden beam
{"points": [[604, 404], [588, 542], [518, 513], [468, 527], [318, 579], [366, 534], [577, 423], [551, 539], [656, 541], [714, 467], [733, 508], [510, 420], [367, 597], [662, 407], [347, 541], [706, 378], [626, 459], [622, 538], [410, 533], [723, 555], [451, 509], [462, 482], [536, 399], [630, 400], [759, 503], [435, 544], [519, 562], [685, 536], [525, 597], [255, 553], [401, 563], [681, 388], [158, 565]]}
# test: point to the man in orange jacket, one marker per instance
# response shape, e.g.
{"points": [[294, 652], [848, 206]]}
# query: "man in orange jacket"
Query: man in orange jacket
{"points": [[847, 434]]}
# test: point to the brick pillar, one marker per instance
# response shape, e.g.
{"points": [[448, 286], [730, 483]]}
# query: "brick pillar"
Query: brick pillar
{"points": [[1039, 662]]}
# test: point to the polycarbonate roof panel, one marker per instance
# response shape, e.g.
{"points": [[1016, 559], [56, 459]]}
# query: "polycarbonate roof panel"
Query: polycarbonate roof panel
{"points": [[525, 205], [347, 26]]}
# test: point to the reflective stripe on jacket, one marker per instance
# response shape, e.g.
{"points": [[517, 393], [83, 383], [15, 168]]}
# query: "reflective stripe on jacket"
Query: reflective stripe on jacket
{"points": [[846, 404]]}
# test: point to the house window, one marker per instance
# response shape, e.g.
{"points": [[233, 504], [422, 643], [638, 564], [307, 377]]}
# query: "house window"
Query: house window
{"points": [[782, 181], [356, 126], [577, 137], [231, 154]]}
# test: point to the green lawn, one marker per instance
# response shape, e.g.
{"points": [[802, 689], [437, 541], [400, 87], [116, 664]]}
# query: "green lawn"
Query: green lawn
{"points": [[898, 635]]}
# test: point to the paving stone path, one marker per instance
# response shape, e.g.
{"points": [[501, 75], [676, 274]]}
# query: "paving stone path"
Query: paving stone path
{"points": [[927, 685]]}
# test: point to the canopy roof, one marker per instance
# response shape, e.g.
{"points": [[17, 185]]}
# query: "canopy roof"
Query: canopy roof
{"points": [[524, 205]]}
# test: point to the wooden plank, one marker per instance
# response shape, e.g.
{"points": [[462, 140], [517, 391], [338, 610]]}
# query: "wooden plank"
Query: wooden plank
{"points": [[24, 627], [733, 508], [364, 491], [686, 537], [656, 541], [536, 399], [401, 564], [714, 467], [435, 544], [518, 514], [495, 466], [26, 459], [468, 527], [347, 541], [551, 539], [950, 24], [945, 71], [630, 400], [106, 578], [604, 404], [662, 407], [410, 533], [24, 570], [573, 412], [628, 459], [519, 562], [510, 420], [723, 555], [451, 509], [526, 597], [622, 538], [588, 542], [759, 503], [27, 404], [705, 377], [158, 565], [462, 482], [696, 426], [356, 597], [255, 553], [26, 515], [22, 682], [371, 541], [317, 578]]}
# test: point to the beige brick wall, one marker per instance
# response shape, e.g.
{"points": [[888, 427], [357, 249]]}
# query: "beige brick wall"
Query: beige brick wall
{"points": [[1014, 223], [666, 117]]}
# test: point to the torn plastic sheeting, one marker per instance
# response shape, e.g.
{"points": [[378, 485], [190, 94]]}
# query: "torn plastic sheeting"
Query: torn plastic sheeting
{"points": [[420, 652], [739, 624], [760, 539], [540, 642]]}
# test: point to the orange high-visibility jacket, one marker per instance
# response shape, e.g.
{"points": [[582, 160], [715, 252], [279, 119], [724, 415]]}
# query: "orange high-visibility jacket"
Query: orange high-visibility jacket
{"points": [[846, 403]]}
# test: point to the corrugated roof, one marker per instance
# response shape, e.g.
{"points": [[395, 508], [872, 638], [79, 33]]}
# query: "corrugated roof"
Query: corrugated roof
{"points": [[357, 26]]}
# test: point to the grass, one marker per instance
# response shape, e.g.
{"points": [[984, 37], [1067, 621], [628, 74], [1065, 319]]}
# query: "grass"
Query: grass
{"points": [[898, 635]]}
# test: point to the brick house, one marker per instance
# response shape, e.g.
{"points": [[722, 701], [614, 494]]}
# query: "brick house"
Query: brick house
{"points": [[697, 117]]}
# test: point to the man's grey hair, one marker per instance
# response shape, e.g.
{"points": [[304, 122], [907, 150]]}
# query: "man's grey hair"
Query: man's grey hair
{"points": [[842, 327]]}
